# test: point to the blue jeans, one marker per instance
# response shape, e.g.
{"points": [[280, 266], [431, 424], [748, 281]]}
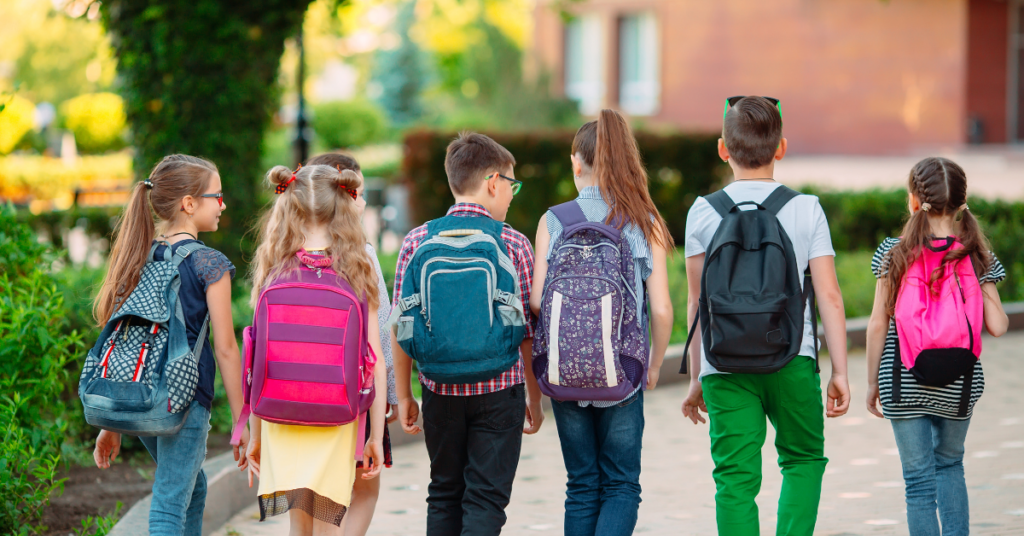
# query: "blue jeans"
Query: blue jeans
{"points": [[179, 487], [601, 449], [932, 453]]}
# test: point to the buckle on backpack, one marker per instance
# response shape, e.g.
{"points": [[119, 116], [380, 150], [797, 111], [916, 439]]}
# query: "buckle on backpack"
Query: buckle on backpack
{"points": [[504, 297], [409, 302]]}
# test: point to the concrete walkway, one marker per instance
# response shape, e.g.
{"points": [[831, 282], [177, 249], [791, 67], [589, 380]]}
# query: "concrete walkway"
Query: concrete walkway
{"points": [[863, 488]]}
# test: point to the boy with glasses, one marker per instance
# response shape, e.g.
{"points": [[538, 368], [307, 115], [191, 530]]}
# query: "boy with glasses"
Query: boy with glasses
{"points": [[461, 284]]}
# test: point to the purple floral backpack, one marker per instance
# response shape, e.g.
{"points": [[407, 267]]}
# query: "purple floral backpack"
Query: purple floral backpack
{"points": [[591, 341]]}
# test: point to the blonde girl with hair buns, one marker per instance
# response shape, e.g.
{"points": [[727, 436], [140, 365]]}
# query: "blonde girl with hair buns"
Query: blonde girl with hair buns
{"points": [[305, 470]]}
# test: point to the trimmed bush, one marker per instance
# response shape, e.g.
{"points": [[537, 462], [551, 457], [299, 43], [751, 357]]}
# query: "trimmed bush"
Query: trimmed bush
{"points": [[341, 124], [17, 117], [25, 178], [97, 120], [681, 167]]}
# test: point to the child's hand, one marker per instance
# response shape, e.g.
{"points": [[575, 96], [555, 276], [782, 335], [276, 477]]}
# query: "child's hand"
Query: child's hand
{"points": [[108, 445], [653, 374], [408, 414], [374, 450], [694, 403], [873, 400], [252, 458], [838, 396], [393, 414], [534, 416], [241, 448]]}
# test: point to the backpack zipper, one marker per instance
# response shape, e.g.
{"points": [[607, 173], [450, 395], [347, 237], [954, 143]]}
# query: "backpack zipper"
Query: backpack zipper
{"points": [[622, 302]]}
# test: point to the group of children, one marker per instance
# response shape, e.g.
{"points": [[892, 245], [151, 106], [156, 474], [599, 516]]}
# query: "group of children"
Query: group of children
{"points": [[583, 315]]}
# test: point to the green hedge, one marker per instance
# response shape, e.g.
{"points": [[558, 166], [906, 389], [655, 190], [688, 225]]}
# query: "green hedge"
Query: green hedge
{"points": [[860, 220], [681, 167]]}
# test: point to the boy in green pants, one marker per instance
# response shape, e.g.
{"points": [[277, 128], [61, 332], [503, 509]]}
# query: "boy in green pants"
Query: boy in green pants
{"points": [[786, 391]]}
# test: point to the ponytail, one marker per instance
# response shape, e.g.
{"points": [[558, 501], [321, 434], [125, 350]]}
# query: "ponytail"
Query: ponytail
{"points": [[128, 254], [622, 179], [175, 177]]}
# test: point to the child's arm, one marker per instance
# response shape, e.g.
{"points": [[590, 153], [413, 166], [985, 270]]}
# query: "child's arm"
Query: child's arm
{"points": [[695, 398], [833, 318], [252, 453], [375, 446], [408, 409], [534, 410], [540, 264], [878, 330], [229, 361], [996, 321], [661, 313]]}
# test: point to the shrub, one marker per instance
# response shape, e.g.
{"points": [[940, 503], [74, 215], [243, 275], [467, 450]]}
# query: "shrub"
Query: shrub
{"points": [[97, 120], [17, 117], [681, 167], [341, 124], [25, 178], [36, 351]]}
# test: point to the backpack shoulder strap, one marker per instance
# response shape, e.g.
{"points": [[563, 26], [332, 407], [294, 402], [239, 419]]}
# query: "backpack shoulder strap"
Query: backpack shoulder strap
{"points": [[184, 251], [569, 213], [721, 202], [778, 199]]}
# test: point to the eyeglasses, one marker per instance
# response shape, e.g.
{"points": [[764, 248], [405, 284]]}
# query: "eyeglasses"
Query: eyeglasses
{"points": [[516, 184], [218, 196], [733, 101]]}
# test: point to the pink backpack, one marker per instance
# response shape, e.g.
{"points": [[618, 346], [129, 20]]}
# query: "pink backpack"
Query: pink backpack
{"points": [[306, 358], [939, 326]]}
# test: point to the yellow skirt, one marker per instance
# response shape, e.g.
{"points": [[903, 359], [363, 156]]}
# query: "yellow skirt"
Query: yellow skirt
{"points": [[311, 468]]}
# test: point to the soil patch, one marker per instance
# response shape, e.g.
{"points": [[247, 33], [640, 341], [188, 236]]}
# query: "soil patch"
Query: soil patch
{"points": [[90, 491]]}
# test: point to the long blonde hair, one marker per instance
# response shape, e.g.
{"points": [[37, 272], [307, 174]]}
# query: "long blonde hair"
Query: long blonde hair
{"points": [[176, 176], [316, 196]]}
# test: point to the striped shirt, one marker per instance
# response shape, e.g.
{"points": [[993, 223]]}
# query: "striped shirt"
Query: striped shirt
{"points": [[596, 210], [520, 251], [918, 400]]}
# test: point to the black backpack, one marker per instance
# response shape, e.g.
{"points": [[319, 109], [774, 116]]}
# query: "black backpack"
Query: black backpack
{"points": [[751, 310]]}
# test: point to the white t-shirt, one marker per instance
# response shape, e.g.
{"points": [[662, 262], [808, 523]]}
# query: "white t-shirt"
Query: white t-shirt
{"points": [[802, 218]]}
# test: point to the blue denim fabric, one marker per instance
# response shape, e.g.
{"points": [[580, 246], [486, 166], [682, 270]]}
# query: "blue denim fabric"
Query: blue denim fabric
{"points": [[179, 487], [932, 453], [601, 449]]}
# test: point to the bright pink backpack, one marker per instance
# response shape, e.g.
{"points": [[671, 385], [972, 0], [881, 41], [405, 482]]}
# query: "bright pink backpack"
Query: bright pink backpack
{"points": [[939, 325], [306, 357]]}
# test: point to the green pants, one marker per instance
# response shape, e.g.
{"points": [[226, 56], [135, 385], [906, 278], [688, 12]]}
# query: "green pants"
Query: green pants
{"points": [[737, 406]]}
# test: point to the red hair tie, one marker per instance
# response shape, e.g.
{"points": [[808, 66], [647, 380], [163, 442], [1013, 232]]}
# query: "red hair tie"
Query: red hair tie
{"points": [[284, 186], [350, 191]]}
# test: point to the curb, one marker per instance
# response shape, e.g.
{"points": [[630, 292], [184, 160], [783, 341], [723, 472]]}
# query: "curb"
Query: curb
{"points": [[228, 489]]}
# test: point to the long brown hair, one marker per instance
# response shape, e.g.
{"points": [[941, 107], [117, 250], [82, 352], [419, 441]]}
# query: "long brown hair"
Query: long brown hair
{"points": [[175, 177], [608, 146], [942, 184], [316, 196]]}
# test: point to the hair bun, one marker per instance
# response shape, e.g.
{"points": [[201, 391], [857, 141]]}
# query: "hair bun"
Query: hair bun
{"points": [[279, 175]]}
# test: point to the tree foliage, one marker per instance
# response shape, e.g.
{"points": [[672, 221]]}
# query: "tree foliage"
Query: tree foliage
{"points": [[200, 77]]}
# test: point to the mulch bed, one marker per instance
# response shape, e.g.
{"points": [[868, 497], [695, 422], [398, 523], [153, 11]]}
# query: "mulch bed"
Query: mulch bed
{"points": [[90, 491]]}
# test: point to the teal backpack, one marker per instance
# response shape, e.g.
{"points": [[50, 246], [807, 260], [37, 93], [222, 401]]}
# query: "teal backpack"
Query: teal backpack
{"points": [[460, 315]]}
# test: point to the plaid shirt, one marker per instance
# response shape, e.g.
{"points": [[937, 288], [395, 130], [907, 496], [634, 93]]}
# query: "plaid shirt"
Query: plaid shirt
{"points": [[520, 251]]}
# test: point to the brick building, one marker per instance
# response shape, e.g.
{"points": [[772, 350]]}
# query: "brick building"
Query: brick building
{"points": [[854, 76]]}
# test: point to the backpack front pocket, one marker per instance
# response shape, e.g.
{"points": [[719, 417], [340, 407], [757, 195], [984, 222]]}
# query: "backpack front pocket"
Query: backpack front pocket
{"points": [[582, 341], [748, 326]]}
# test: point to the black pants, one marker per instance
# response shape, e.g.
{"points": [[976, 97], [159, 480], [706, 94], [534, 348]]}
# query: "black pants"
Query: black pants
{"points": [[473, 443]]}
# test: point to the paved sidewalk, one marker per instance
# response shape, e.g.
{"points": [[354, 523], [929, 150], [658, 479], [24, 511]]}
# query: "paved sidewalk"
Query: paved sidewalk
{"points": [[863, 489]]}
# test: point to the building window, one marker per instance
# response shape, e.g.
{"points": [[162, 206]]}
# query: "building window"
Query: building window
{"points": [[639, 61], [585, 63]]}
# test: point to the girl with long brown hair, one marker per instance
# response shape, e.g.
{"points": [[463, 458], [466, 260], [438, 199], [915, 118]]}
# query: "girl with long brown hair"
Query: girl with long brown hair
{"points": [[928, 421], [185, 193], [601, 440], [305, 470]]}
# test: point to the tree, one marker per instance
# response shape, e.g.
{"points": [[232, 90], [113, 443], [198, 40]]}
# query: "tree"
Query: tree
{"points": [[200, 77], [400, 72]]}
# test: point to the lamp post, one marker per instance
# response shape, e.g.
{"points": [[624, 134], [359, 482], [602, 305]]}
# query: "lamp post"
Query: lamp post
{"points": [[300, 147]]}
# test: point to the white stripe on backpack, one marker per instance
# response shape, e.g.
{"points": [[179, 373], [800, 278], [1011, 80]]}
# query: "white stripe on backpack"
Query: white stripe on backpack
{"points": [[606, 340], [556, 317]]}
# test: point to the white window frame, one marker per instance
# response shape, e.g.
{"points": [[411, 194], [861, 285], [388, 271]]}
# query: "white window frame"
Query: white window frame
{"points": [[639, 63], [584, 62]]}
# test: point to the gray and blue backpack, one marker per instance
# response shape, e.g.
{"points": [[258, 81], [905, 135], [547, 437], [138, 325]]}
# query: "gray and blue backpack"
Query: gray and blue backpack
{"points": [[591, 341], [141, 376], [460, 316]]}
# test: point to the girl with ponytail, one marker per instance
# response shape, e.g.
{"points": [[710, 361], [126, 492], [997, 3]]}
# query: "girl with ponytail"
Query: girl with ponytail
{"points": [[309, 471], [929, 422], [185, 194], [601, 440]]}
